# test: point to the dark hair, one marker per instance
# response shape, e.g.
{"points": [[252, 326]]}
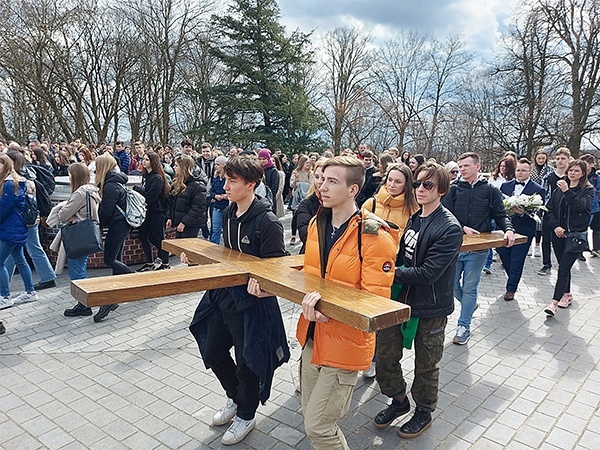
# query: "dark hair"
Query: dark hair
{"points": [[510, 164], [440, 173], [367, 154], [186, 142], [419, 158], [402, 158], [385, 161], [524, 161], [248, 169], [40, 155], [277, 162], [119, 143], [588, 158], [583, 166], [157, 167]]}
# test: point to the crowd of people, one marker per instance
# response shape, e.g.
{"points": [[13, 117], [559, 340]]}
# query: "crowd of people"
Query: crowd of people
{"points": [[391, 224]]}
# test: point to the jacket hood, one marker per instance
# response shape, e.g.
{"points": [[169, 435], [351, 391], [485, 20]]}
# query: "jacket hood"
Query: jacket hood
{"points": [[116, 177], [258, 206]]}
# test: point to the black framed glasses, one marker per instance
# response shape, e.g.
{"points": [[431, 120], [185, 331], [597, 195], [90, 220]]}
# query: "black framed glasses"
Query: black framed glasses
{"points": [[427, 184]]}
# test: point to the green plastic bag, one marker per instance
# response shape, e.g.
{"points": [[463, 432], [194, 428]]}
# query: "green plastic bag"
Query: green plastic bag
{"points": [[409, 331]]}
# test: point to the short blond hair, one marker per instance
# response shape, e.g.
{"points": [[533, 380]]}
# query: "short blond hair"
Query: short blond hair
{"points": [[355, 169]]}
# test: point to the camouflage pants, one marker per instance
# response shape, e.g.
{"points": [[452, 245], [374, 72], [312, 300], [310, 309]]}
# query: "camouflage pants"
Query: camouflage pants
{"points": [[428, 347]]}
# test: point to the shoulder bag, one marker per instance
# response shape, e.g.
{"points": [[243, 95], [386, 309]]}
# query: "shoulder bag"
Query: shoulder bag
{"points": [[82, 238]]}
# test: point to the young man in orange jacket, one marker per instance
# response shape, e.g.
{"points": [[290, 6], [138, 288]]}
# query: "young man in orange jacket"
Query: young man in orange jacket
{"points": [[352, 248]]}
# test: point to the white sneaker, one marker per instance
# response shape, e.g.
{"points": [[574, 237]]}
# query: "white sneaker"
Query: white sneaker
{"points": [[237, 431], [530, 251], [26, 297], [370, 372], [225, 414], [6, 302], [537, 251]]}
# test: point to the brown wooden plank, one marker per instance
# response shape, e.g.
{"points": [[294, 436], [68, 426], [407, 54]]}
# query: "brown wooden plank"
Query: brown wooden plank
{"points": [[483, 241], [359, 309], [139, 286]]}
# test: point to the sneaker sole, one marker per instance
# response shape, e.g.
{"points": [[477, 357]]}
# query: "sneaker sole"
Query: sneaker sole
{"points": [[238, 440], [381, 426], [454, 341], [7, 306], [549, 312], [21, 302], [414, 435]]}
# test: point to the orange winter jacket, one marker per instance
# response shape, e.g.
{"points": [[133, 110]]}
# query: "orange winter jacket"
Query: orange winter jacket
{"points": [[391, 209], [337, 344]]}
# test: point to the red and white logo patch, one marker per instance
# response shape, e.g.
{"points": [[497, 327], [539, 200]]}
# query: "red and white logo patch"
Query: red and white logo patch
{"points": [[387, 266]]}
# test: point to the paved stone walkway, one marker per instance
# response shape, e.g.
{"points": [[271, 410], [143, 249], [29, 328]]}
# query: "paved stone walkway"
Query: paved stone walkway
{"points": [[136, 379]]}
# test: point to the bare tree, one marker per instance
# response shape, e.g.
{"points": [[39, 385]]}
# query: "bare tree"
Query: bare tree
{"points": [[401, 82], [347, 62], [576, 29]]}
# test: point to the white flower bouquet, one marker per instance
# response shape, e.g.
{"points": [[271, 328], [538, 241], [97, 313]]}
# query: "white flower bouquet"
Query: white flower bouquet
{"points": [[530, 204]]}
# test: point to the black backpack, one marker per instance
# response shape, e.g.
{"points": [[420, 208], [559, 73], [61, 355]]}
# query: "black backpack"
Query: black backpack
{"points": [[44, 203], [45, 177]]}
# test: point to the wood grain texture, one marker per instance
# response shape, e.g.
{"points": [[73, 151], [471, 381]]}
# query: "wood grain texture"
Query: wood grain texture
{"points": [[140, 286]]}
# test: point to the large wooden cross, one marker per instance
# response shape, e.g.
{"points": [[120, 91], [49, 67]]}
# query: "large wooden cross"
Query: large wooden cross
{"points": [[222, 267]]}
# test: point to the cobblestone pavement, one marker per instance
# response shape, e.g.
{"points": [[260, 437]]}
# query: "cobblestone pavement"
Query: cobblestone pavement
{"points": [[136, 380]]}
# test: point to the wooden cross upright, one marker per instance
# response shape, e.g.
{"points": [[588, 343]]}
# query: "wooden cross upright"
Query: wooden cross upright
{"points": [[221, 267]]}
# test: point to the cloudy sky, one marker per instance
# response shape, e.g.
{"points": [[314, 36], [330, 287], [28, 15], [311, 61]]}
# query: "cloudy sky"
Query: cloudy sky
{"points": [[479, 21]]}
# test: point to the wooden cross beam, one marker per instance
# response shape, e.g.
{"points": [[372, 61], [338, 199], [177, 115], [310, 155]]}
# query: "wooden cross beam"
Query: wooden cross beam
{"points": [[222, 267]]}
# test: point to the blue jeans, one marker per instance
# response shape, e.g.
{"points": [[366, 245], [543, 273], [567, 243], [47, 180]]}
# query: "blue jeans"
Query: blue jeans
{"points": [[216, 225], [78, 268], [468, 270], [16, 251], [38, 256]]}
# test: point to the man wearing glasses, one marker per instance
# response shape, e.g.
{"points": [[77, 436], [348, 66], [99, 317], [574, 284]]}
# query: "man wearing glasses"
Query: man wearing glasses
{"points": [[474, 202], [426, 265], [513, 258]]}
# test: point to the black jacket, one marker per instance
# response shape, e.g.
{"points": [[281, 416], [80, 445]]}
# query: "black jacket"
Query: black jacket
{"points": [[307, 209], [257, 232], [369, 187], [189, 207], [571, 209], [113, 194], [476, 205], [428, 286], [152, 190], [272, 180]]}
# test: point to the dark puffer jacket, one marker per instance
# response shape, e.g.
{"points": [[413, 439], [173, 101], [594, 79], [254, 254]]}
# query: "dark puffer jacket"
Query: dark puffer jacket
{"points": [[189, 207], [428, 286], [113, 194], [476, 205], [152, 190], [571, 209]]}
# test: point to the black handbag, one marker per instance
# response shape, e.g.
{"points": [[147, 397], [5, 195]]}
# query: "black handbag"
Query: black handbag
{"points": [[577, 242], [82, 238]]}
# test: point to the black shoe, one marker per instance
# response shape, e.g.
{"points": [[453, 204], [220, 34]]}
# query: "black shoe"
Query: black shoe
{"points": [[146, 267], [2, 328], [78, 310], [545, 270], [418, 423], [163, 267], [391, 413], [103, 312], [44, 285], [581, 257]]}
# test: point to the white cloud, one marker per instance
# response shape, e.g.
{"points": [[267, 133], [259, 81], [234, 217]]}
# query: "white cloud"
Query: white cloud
{"points": [[479, 21]]}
